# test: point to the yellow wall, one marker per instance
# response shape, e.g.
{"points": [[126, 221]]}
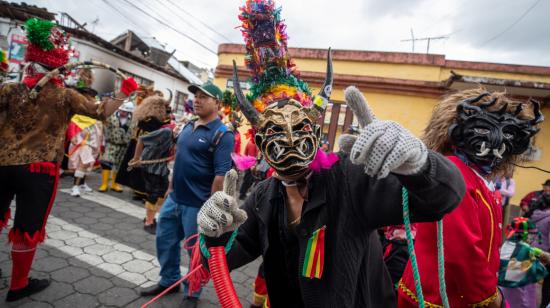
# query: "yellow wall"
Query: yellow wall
{"points": [[528, 180], [413, 112]]}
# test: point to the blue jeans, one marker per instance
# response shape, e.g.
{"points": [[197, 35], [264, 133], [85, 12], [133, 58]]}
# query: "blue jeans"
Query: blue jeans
{"points": [[176, 222]]}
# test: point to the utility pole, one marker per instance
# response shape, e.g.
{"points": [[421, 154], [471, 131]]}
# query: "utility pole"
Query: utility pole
{"points": [[428, 39]]}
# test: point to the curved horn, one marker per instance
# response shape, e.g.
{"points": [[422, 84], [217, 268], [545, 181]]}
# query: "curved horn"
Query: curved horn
{"points": [[477, 98], [326, 90], [169, 100], [519, 109], [67, 67], [489, 104], [539, 117], [246, 107], [502, 110], [466, 106]]}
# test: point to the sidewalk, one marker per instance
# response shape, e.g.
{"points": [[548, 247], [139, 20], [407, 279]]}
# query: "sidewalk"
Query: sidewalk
{"points": [[98, 255]]}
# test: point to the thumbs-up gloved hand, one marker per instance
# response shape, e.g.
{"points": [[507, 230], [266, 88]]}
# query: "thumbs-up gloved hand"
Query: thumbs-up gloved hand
{"points": [[382, 146], [221, 214]]}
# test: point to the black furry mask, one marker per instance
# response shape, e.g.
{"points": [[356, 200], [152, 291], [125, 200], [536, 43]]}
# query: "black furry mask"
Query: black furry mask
{"points": [[487, 137]]}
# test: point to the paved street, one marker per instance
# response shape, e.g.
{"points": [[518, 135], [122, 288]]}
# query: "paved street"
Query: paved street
{"points": [[98, 255]]}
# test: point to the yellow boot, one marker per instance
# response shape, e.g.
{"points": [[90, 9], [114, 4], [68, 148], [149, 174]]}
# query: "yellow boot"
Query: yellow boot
{"points": [[104, 180], [114, 185]]}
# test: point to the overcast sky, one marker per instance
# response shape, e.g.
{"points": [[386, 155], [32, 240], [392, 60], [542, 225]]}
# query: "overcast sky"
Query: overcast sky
{"points": [[516, 32]]}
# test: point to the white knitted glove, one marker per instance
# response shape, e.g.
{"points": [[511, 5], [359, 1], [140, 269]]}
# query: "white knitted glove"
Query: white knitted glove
{"points": [[220, 213], [383, 146]]}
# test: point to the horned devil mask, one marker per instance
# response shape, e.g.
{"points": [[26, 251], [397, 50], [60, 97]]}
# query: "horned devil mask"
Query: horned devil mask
{"points": [[487, 138], [287, 133], [280, 105]]}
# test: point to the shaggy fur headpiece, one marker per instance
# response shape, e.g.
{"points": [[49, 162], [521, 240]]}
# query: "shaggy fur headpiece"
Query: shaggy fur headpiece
{"points": [[151, 107]]}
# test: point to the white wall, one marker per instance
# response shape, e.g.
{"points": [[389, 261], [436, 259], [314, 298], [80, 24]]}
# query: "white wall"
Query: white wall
{"points": [[7, 28], [105, 80]]}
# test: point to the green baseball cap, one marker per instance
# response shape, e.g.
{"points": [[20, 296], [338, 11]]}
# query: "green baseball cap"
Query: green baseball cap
{"points": [[208, 88]]}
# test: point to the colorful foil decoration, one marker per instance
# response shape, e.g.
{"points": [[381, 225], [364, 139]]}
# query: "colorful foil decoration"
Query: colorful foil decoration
{"points": [[274, 75]]}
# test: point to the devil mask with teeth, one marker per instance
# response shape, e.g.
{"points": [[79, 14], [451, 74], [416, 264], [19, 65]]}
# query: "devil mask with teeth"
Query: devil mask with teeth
{"points": [[279, 105], [488, 129]]}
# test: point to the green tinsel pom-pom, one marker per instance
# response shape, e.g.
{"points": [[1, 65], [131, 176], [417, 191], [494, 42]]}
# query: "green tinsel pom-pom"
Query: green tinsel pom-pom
{"points": [[38, 32], [229, 99]]}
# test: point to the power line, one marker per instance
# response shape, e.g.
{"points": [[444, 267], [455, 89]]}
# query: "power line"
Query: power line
{"points": [[513, 24], [185, 21], [200, 21], [172, 28], [147, 32], [124, 16], [192, 58]]}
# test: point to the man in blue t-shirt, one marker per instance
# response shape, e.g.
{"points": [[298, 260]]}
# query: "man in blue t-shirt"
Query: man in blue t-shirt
{"points": [[203, 157]]}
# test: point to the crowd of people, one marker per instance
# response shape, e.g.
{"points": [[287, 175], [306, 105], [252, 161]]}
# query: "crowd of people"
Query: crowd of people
{"points": [[391, 220]]}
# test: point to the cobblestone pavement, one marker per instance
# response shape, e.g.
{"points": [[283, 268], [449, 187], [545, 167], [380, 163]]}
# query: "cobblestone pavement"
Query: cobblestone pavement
{"points": [[98, 255]]}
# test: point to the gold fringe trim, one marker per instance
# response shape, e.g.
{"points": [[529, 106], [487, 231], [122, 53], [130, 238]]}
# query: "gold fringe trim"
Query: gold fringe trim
{"points": [[484, 303]]}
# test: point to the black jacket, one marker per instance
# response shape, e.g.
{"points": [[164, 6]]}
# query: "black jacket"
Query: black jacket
{"points": [[352, 206]]}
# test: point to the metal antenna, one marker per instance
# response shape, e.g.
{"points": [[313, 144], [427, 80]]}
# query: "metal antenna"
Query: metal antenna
{"points": [[428, 39], [94, 23]]}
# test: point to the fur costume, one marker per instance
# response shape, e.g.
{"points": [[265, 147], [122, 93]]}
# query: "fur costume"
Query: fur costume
{"points": [[133, 178], [472, 232], [32, 133], [151, 116]]}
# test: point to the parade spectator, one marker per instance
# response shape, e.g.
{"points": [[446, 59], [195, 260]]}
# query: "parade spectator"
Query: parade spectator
{"points": [[152, 154], [84, 150], [203, 156], [506, 187], [117, 136], [520, 291], [85, 142], [541, 218], [531, 198], [235, 122]]}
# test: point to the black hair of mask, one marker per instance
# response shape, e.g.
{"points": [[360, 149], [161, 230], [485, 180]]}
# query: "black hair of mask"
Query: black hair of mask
{"points": [[489, 137]]}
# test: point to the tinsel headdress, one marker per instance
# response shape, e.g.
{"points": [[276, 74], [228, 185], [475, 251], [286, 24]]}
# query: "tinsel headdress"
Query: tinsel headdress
{"points": [[274, 75], [47, 43]]}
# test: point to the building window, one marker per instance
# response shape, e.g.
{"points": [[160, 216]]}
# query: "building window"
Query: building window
{"points": [[140, 80], [179, 104]]}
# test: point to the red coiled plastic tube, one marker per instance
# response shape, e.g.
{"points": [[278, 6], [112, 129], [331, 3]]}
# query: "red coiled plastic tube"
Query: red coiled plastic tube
{"points": [[223, 284]]}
